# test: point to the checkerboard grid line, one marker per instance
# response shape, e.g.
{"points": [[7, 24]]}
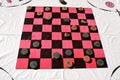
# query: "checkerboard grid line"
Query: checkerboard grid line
{"points": [[92, 58], [81, 16], [96, 53], [62, 33], [32, 58], [24, 36], [78, 56], [51, 59], [74, 59], [72, 40]]}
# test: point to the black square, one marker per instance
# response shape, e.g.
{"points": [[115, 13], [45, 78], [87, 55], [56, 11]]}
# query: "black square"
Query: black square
{"points": [[73, 15], [56, 44], [36, 16], [65, 56], [80, 23], [78, 29], [46, 53], [63, 10], [56, 28], [82, 11], [64, 23], [105, 63], [32, 41], [92, 56], [94, 45], [23, 56], [28, 21], [84, 38], [56, 15], [37, 28], [47, 21], [31, 10], [66, 38], [89, 16], [79, 63], [77, 44], [37, 60], [92, 30], [48, 11], [57, 63], [46, 35], [26, 36]]}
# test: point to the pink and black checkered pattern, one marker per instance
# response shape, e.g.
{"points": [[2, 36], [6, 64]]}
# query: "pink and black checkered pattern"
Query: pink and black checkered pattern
{"points": [[50, 35]]}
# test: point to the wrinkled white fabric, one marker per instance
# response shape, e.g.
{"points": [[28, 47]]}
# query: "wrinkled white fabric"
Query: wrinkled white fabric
{"points": [[11, 24]]}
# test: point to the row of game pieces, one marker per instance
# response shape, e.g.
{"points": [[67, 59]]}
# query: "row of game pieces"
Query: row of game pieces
{"points": [[48, 9], [49, 18], [37, 44], [85, 35], [69, 64], [69, 53]]}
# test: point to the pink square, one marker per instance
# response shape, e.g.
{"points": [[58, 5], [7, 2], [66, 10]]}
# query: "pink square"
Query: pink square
{"points": [[36, 35], [84, 29], [92, 64], [47, 28], [74, 22], [81, 16], [99, 53], [78, 53], [88, 10], [46, 43], [67, 59], [22, 63], [67, 43], [65, 28], [56, 21], [38, 21], [39, 9], [72, 10], [76, 36], [64, 15], [25, 43], [29, 15], [47, 14], [95, 36], [27, 28], [45, 63], [34, 53], [56, 36], [87, 43], [91, 22], [57, 50], [55, 9]]}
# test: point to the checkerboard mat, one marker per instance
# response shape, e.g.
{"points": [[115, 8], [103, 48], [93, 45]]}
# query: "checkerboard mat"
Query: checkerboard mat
{"points": [[51, 36]]}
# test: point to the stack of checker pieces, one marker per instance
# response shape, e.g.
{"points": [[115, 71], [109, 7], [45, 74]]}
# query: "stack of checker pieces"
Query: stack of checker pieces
{"points": [[60, 37]]}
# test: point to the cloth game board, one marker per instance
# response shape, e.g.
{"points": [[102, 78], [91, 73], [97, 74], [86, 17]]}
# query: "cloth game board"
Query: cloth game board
{"points": [[50, 35]]}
